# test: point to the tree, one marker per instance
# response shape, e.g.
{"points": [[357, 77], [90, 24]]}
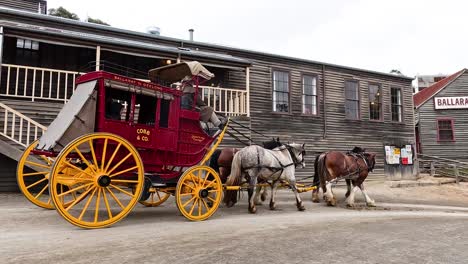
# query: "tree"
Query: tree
{"points": [[97, 21], [62, 12], [395, 71]]}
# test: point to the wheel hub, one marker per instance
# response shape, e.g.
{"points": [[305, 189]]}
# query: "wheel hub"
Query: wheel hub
{"points": [[203, 193], [104, 181]]}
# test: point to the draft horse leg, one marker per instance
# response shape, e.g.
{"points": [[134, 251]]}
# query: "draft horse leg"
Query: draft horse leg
{"points": [[292, 185], [350, 198], [328, 194], [369, 201], [274, 186], [348, 185], [258, 192], [252, 191], [315, 195]]}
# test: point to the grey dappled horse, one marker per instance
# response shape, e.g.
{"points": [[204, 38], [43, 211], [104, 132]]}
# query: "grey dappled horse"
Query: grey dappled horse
{"points": [[275, 165]]}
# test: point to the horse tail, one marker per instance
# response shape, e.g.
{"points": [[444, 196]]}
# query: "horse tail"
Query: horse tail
{"points": [[214, 160], [316, 175], [230, 196], [322, 170]]}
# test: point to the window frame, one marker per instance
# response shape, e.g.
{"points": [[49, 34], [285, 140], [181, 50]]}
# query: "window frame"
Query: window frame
{"points": [[317, 97], [358, 100], [452, 128], [380, 101], [273, 70], [402, 107]]}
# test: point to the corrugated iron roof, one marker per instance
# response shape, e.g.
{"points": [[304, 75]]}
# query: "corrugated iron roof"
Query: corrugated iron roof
{"points": [[423, 96], [190, 52]]}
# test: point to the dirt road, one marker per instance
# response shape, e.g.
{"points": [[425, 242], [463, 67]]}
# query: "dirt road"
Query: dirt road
{"points": [[390, 233]]}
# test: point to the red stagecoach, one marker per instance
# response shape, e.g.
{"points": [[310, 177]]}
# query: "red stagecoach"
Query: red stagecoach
{"points": [[119, 141]]}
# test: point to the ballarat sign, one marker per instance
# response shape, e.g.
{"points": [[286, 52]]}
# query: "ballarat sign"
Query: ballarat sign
{"points": [[455, 102]]}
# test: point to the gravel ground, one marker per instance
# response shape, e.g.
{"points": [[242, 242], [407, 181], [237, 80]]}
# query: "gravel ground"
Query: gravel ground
{"points": [[409, 225]]}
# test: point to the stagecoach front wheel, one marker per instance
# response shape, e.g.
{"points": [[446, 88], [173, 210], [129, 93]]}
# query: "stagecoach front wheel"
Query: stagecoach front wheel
{"points": [[32, 175], [109, 180], [198, 193]]}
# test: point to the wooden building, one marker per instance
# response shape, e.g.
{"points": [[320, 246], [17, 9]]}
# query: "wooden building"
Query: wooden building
{"points": [[442, 118], [324, 105]]}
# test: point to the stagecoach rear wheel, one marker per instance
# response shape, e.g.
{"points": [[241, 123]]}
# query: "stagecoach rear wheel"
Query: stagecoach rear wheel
{"points": [[156, 198], [109, 179], [32, 175], [198, 193]]}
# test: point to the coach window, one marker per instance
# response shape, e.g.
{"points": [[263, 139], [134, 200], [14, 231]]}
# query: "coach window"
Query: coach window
{"points": [[145, 110], [280, 91], [164, 113], [117, 104], [375, 102], [352, 100], [309, 95], [445, 130]]}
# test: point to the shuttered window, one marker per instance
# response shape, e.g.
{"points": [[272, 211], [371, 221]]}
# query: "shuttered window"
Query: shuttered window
{"points": [[445, 130], [375, 102], [309, 95], [397, 106], [280, 91], [352, 100]]}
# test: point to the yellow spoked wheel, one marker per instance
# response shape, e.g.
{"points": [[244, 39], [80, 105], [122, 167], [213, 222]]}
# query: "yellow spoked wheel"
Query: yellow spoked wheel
{"points": [[109, 180], [32, 175], [198, 193], [156, 198]]}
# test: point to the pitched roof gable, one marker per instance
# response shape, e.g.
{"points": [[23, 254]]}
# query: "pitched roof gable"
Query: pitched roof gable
{"points": [[423, 96]]}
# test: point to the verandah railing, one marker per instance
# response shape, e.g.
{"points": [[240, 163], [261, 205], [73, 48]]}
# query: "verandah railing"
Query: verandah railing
{"points": [[18, 127], [36, 83]]}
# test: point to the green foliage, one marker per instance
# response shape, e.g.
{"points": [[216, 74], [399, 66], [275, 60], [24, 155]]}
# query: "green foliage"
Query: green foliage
{"points": [[62, 12], [97, 21]]}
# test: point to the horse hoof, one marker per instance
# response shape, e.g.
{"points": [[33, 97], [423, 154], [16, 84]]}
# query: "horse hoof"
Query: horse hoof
{"points": [[331, 202], [301, 207], [272, 206], [371, 204], [350, 205], [229, 204], [252, 210], [315, 200]]}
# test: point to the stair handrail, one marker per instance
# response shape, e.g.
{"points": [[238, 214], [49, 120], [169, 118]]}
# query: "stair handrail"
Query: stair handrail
{"points": [[22, 117]]}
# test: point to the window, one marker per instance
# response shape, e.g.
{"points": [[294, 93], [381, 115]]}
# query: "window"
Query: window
{"points": [[375, 102], [352, 100], [27, 44], [145, 110], [445, 130], [164, 113], [280, 91], [309, 95], [397, 106], [117, 104]]}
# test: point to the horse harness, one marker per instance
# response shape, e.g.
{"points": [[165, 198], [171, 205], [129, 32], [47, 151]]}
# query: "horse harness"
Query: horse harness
{"points": [[282, 167], [356, 157]]}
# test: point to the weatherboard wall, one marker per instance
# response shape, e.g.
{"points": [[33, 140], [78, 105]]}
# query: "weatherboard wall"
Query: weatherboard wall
{"points": [[428, 116]]}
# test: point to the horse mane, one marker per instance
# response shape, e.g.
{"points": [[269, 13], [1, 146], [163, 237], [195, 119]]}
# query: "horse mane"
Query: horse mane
{"points": [[358, 150], [271, 144]]}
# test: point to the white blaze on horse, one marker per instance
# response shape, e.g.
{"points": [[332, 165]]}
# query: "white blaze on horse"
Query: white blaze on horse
{"points": [[333, 166], [275, 166]]}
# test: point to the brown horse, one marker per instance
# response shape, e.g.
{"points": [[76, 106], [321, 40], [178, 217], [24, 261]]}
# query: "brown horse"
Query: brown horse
{"points": [[353, 166]]}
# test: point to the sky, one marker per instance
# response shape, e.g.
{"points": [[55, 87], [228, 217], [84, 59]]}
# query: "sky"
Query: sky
{"points": [[415, 37]]}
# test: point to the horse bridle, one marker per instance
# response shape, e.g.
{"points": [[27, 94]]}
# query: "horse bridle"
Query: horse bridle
{"points": [[293, 156]]}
